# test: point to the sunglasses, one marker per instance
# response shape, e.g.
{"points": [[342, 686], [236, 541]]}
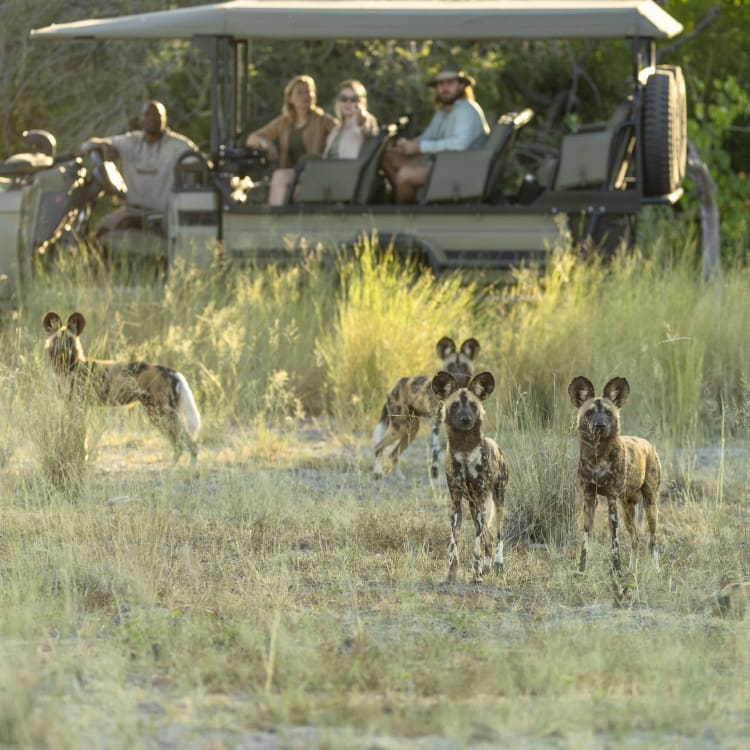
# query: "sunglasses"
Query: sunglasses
{"points": [[343, 98]]}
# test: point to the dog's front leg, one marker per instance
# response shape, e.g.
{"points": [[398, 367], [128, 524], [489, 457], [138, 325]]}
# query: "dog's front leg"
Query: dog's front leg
{"points": [[455, 526], [589, 499], [437, 420], [631, 524], [478, 560], [612, 509]]}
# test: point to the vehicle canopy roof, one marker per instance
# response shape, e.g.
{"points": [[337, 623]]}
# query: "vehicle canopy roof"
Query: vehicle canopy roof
{"points": [[385, 19]]}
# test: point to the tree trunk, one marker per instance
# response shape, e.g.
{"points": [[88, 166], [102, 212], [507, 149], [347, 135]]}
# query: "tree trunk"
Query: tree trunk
{"points": [[706, 194]]}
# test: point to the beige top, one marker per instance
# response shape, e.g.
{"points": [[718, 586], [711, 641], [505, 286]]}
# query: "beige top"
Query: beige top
{"points": [[148, 168], [345, 141]]}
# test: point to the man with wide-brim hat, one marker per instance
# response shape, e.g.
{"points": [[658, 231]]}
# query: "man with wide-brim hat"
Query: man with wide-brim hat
{"points": [[451, 74], [457, 125]]}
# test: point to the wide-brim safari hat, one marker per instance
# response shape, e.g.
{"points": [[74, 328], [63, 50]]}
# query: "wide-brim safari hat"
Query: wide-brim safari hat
{"points": [[450, 74]]}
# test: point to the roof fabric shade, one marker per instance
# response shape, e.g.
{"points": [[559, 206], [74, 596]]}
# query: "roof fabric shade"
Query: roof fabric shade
{"points": [[385, 19]]}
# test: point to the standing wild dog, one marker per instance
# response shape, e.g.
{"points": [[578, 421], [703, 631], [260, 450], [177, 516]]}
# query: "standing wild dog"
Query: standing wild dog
{"points": [[618, 467], [164, 393], [411, 399], [475, 468]]}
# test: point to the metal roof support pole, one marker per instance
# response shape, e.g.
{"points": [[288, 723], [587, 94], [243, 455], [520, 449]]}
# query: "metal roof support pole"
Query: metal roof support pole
{"points": [[239, 116], [220, 50]]}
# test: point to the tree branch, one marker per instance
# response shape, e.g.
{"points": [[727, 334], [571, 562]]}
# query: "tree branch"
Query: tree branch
{"points": [[708, 19]]}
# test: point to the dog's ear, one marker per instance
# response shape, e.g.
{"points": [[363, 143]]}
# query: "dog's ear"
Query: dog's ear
{"points": [[470, 348], [51, 322], [445, 347], [580, 390], [76, 323], [443, 384], [617, 391], [482, 385]]}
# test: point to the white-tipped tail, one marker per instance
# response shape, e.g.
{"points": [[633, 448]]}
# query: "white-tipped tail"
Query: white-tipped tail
{"points": [[186, 406], [379, 432]]}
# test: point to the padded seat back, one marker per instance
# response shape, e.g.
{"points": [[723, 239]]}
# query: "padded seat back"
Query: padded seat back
{"points": [[342, 180], [472, 175], [26, 163], [593, 157]]}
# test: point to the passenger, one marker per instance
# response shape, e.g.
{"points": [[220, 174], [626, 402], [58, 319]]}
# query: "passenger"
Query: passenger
{"points": [[146, 158], [357, 124], [457, 125], [298, 133]]}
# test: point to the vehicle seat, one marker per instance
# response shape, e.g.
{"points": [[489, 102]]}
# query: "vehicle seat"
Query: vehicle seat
{"points": [[596, 156], [343, 180], [41, 154], [26, 163], [458, 176]]}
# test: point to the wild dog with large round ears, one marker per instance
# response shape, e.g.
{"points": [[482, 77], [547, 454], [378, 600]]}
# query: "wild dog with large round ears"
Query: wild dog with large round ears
{"points": [[475, 468], [411, 399], [618, 467], [163, 392]]}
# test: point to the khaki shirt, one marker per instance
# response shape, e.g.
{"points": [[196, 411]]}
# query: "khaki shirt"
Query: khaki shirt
{"points": [[148, 168]]}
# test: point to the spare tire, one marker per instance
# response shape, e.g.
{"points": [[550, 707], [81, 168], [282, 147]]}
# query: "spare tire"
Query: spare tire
{"points": [[664, 128]]}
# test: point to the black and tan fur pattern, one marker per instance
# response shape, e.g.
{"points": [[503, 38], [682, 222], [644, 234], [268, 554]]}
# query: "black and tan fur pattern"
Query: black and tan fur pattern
{"points": [[412, 399], [618, 467], [163, 392], [475, 468]]}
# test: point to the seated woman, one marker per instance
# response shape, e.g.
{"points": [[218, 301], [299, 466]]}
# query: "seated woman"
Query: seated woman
{"points": [[298, 133], [357, 124]]}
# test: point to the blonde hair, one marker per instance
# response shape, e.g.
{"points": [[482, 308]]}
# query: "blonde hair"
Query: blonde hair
{"points": [[358, 88], [288, 109]]}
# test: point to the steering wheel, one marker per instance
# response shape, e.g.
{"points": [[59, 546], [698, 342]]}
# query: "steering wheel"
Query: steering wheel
{"points": [[107, 176]]}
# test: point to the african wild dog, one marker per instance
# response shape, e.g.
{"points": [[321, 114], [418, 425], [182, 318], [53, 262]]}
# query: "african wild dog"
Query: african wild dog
{"points": [[475, 468], [617, 467], [411, 399], [164, 393]]}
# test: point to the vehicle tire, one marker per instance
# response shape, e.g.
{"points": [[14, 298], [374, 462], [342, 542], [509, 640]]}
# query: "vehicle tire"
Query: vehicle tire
{"points": [[614, 232], [664, 128], [603, 235]]}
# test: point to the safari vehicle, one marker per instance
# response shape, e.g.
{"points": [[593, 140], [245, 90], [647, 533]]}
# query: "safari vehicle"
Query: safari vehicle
{"points": [[597, 181], [41, 193]]}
